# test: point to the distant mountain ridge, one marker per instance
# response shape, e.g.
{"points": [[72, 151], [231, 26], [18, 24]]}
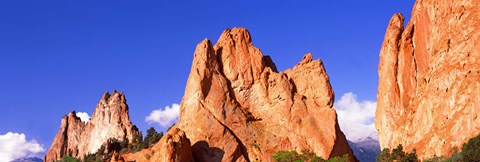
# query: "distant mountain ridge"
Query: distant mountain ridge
{"points": [[28, 159], [365, 150]]}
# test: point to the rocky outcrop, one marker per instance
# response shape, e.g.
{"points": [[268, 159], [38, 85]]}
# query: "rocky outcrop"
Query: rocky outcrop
{"points": [[238, 107], [110, 120], [174, 146], [428, 93]]}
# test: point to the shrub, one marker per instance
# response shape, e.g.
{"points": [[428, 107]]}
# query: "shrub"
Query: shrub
{"points": [[287, 156], [384, 155], [456, 157], [68, 159], [97, 156], [137, 143], [397, 154], [344, 158], [471, 149], [152, 137], [304, 156], [411, 157]]}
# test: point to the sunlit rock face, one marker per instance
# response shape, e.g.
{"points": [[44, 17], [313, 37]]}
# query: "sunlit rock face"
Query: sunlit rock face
{"points": [[238, 107], [429, 87], [174, 146], [110, 120]]}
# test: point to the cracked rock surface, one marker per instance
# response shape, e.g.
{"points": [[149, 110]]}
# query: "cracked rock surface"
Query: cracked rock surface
{"points": [[429, 87]]}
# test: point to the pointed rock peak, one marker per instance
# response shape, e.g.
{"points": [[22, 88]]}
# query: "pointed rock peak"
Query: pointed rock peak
{"points": [[397, 21], [106, 95], [204, 52], [67, 116], [242, 88], [236, 35], [205, 45], [115, 94], [72, 114], [306, 58]]}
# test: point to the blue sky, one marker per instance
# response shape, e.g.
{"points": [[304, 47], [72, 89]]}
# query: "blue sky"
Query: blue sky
{"points": [[58, 56]]}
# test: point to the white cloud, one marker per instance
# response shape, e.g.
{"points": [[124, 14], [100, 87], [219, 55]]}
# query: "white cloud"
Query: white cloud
{"points": [[356, 117], [166, 117], [15, 145], [83, 116]]}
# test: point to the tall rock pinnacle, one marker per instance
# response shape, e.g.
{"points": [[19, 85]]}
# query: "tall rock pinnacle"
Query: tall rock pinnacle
{"points": [[428, 93], [238, 107], [110, 120]]}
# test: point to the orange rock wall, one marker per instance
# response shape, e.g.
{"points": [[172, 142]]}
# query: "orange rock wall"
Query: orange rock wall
{"points": [[429, 87]]}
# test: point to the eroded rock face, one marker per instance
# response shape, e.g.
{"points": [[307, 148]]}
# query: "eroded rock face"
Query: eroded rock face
{"points": [[110, 120], [428, 94], [174, 146], [238, 107]]}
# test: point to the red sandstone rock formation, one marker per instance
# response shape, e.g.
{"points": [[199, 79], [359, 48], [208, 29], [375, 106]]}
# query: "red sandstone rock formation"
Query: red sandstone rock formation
{"points": [[110, 120], [429, 88], [174, 146], [238, 107]]}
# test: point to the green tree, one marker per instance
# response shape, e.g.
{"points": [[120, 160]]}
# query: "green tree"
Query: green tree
{"points": [[68, 159], [287, 156], [384, 155], [344, 158], [471, 150], [152, 137], [410, 157], [97, 156], [305, 156], [397, 154], [137, 143]]}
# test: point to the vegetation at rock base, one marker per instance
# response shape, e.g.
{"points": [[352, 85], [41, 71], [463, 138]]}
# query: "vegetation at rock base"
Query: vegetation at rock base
{"points": [[456, 157], [68, 159], [470, 153], [105, 152], [304, 156], [152, 137], [397, 154], [471, 149], [137, 143]]}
